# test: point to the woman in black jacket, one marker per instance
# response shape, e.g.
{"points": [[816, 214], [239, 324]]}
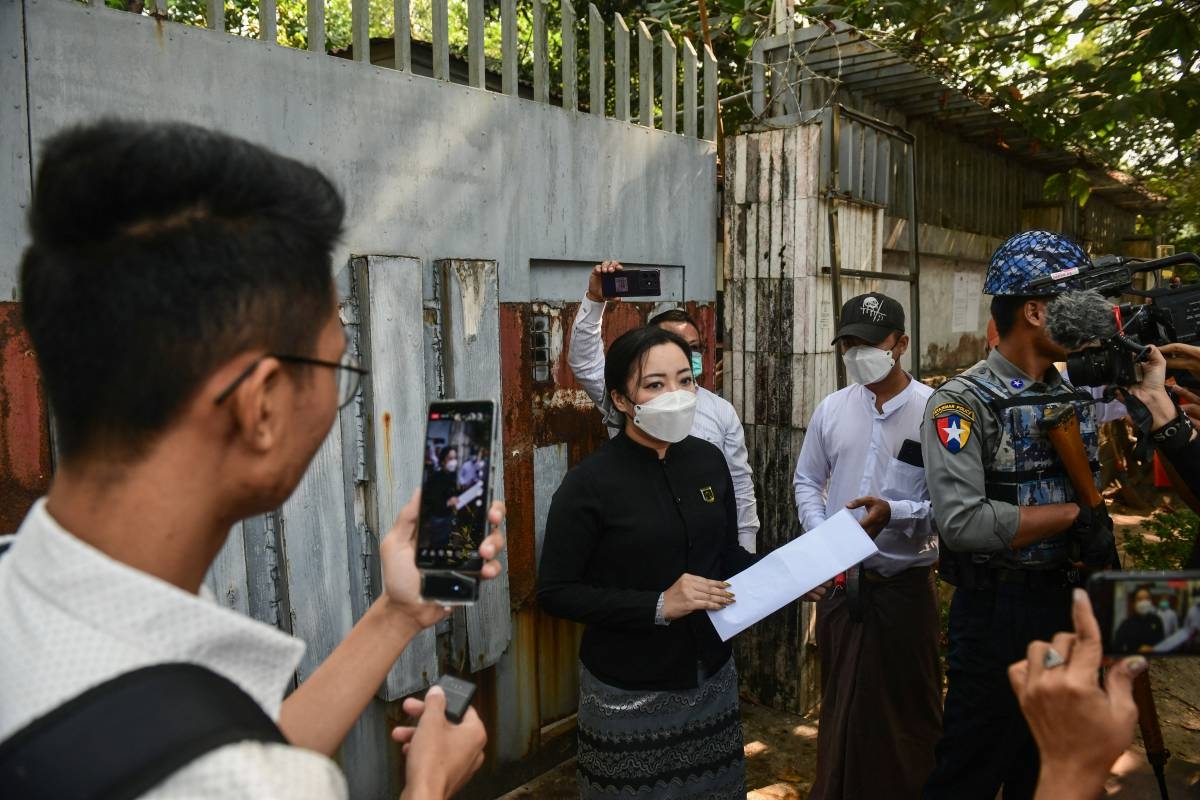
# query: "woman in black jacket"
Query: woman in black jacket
{"points": [[640, 538]]}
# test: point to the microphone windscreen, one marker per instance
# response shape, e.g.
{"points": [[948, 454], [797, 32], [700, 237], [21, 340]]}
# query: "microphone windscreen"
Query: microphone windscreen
{"points": [[1077, 317]]}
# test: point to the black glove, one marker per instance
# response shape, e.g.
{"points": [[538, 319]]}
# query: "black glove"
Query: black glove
{"points": [[1093, 532]]}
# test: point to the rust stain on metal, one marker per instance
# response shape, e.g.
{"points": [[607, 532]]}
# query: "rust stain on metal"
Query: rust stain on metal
{"points": [[24, 427], [387, 447]]}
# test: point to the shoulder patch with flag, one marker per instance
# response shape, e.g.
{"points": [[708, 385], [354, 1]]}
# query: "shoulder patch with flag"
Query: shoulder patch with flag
{"points": [[953, 430]]}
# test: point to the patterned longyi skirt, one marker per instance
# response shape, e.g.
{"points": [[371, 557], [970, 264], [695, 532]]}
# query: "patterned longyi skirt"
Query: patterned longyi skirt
{"points": [[666, 745]]}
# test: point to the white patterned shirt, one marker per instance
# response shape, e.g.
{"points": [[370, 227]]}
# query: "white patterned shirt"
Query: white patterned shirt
{"points": [[72, 618], [716, 420]]}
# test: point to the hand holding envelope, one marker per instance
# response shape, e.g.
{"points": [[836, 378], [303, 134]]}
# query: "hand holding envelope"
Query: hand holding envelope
{"points": [[793, 570]]}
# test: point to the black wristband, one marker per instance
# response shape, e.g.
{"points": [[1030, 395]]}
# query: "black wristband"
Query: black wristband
{"points": [[1174, 435]]}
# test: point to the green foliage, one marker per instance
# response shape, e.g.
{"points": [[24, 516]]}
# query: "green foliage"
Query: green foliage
{"points": [[1164, 541]]}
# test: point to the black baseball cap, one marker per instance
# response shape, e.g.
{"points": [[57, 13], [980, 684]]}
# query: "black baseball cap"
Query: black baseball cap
{"points": [[871, 317]]}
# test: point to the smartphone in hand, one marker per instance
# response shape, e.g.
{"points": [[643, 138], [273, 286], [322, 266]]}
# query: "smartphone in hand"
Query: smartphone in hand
{"points": [[1147, 613], [456, 492], [632, 283]]}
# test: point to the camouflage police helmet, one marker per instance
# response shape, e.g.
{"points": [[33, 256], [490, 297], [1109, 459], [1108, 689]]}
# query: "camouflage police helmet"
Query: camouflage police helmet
{"points": [[1032, 255]]}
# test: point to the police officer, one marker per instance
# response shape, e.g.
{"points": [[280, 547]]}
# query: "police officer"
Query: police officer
{"points": [[1012, 533]]}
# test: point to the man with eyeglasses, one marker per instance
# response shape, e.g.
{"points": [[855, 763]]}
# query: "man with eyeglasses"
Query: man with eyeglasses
{"points": [[716, 420], [187, 334]]}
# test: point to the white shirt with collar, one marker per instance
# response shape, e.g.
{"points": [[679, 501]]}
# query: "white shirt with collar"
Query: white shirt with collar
{"points": [[73, 618], [850, 451], [716, 420]]}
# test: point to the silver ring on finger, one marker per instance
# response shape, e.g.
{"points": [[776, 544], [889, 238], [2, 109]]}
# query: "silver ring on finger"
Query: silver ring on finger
{"points": [[1053, 659]]}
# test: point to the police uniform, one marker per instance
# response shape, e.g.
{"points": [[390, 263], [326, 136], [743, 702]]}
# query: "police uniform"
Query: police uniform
{"points": [[986, 457]]}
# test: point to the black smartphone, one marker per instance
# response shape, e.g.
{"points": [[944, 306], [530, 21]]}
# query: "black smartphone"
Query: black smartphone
{"points": [[456, 492], [1148, 613], [459, 694], [632, 283]]}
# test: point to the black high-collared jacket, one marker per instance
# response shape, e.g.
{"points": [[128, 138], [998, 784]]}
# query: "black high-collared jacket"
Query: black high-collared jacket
{"points": [[622, 528]]}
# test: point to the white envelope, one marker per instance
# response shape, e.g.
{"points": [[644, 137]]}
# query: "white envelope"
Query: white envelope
{"points": [[794, 569]]}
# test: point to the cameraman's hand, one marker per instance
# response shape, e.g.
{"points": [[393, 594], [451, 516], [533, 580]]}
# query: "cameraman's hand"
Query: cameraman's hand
{"points": [[440, 755], [693, 593], [1080, 728], [1151, 389], [1094, 530], [1183, 356], [595, 291], [402, 579]]}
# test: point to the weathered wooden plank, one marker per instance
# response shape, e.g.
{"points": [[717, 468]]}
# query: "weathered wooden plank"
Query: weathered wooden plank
{"points": [[621, 67], [316, 25], [360, 39], [402, 35], [669, 78], [710, 94], [391, 332], [441, 39], [541, 54], [508, 46], [313, 522], [595, 61], [645, 76], [476, 21], [266, 590], [751, 260], [214, 16], [267, 25], [763, 173], [775, 248], [689, 89], [549, 468], [738, 162], [569, 71], [758, 101], [469, 295], [227, 575]]}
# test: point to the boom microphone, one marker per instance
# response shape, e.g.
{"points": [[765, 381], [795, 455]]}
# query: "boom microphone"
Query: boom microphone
{"points": [[1078, 317]]}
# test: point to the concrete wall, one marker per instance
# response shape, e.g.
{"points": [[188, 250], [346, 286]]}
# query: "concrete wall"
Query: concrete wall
{"points": [[429, 169]]}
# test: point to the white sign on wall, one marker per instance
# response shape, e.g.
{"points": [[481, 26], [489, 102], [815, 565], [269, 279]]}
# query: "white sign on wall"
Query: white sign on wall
{"points": [[967, 289]]}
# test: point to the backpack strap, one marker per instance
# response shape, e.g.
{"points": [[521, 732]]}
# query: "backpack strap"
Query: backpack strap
{"points": [[118, 740]]}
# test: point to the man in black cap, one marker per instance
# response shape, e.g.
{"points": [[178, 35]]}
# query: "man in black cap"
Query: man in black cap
{"points": [[877, 633]]}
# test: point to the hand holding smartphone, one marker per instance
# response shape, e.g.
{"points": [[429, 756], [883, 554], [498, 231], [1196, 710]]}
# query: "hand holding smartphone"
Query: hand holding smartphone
{"points": [[456, 490]]}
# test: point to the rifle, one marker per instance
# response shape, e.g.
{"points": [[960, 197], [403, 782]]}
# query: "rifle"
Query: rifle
{"points": [[1061, 426]]}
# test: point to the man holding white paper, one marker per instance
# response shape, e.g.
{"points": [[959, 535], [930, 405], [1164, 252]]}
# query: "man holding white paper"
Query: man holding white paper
{"points": [[877, 634]]}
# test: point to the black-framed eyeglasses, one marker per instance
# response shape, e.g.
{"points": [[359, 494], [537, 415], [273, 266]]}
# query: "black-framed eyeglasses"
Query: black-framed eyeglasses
{"points": [[349, 374]]}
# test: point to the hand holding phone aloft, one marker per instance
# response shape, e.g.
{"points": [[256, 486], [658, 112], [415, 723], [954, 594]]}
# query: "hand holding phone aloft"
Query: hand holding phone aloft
{"points": [[402, 579]]}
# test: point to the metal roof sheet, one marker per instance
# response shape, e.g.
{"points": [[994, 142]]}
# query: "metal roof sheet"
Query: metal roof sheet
{"points": [[845, 55]]}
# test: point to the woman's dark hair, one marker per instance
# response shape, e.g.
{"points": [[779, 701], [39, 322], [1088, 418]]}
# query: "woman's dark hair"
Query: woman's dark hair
{"points": [[626, 355], [160, 251]]}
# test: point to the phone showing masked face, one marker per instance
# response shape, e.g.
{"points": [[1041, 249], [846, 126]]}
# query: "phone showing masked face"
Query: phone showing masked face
{"points": [[1147, 613], [456, 491]]}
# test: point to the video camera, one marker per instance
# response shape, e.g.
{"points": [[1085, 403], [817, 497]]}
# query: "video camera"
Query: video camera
{"points": [[1166, 315]]}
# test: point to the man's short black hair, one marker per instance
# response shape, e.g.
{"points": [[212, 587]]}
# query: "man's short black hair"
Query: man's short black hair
{"points": [[160, 251], [1005, 308], [674, 315]]}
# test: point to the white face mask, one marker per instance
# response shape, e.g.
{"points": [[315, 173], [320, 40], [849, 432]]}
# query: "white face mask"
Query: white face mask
{"points": [[867, 365], [451, 465], [667, 417], [1144, 607]]}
